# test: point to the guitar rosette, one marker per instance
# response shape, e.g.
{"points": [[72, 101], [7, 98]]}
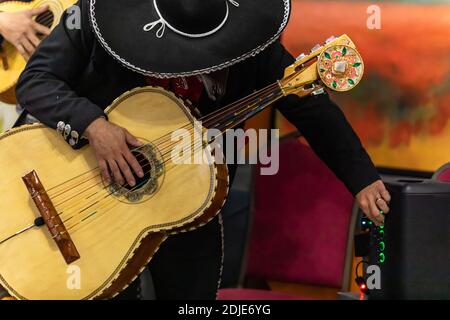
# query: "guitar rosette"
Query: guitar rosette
{"points": [[151, 161]]}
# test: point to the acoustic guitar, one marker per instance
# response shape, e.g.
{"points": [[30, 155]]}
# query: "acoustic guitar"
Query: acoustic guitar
{"points": [[65, 234], [11, 62]]}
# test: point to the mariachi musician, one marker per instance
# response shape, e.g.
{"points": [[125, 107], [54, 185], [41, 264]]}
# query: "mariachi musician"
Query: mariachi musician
{"points": [[211, 52]]}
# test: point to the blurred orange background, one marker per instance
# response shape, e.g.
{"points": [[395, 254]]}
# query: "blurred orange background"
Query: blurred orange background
{"points": [[401, 109]]}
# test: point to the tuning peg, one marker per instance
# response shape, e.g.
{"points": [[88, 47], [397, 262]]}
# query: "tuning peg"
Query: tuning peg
{"points": [[318, 91], [316, 47], [301, 56], [330, 39]]}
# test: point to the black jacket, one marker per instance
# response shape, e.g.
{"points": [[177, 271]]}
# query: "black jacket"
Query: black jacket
{"points": [[70, 79]]}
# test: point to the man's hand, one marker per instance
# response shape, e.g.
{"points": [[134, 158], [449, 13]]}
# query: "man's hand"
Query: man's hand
{"points": [[372, 200], [19, 29], [110, 144]]}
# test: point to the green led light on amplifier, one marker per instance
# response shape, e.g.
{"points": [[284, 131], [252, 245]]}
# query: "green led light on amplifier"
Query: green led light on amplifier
{"points": [[382, 245], [381, 258]]}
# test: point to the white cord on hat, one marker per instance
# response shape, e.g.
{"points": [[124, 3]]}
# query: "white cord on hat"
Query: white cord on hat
{"points": [[164, 23]]}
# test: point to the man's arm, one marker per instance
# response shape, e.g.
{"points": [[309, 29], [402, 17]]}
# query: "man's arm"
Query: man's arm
{"points": [[329, 134], [45, 90]]}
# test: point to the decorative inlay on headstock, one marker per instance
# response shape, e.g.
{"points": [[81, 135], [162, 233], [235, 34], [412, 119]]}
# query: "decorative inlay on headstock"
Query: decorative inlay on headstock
{"points": [[336, 65], [340, 67]]}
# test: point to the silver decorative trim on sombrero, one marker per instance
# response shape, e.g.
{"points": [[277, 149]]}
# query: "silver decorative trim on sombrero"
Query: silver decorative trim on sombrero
{"points": [[163, 24], [254, 52]]}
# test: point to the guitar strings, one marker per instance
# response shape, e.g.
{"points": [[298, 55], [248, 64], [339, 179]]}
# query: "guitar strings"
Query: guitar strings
{"points": [[164, 154], [164, 157], [96, 200], [45, 17], [99, 198], [235, 122], [100, 194], [85, 206], [200, 147], [46, 21], [113, 200], [230, 108], [211, 116]]}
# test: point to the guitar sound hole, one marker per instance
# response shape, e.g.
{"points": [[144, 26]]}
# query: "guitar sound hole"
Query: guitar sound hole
{"points": [[46, 18], [146, 167], [152, 165]]}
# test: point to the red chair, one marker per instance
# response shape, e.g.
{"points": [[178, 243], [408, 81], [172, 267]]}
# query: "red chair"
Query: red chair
{"points": [[301, 227], [443, 173]]}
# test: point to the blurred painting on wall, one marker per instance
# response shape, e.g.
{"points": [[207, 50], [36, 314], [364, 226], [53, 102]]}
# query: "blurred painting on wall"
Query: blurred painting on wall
{"points": [[401, 108]]}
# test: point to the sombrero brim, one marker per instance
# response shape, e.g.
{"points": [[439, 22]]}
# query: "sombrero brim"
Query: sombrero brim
{"points": [[250, 28]]}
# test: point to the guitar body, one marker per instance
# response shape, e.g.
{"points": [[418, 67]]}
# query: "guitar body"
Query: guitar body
{"points": [[15, 62], [118, 241]]}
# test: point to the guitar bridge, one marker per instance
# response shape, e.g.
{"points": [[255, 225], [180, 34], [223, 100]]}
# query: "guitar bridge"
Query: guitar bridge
{"points": [[51, 218]]}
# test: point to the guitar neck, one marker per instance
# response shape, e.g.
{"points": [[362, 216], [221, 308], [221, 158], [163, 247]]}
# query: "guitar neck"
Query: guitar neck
{"points": [[240, 111]]}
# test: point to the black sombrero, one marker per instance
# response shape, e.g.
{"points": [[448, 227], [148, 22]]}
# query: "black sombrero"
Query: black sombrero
{"points": [[172, 38]]}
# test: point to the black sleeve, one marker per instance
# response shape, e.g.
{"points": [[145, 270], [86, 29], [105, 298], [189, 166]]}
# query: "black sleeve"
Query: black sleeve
{"points": [[322, 123], [45, 86]]}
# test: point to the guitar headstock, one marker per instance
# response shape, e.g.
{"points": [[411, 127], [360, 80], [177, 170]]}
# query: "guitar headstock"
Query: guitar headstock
{"points": [[336, 65]]}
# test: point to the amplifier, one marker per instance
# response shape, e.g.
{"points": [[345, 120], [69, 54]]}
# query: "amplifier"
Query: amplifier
{"points": [[412, 249]]}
